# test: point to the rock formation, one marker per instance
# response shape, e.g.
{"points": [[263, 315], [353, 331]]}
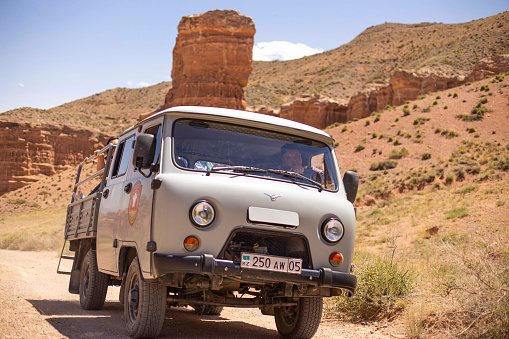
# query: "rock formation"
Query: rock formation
{"points": [[495, 65], [314, 110], [212, 60], [403, 85], [28, 149]]}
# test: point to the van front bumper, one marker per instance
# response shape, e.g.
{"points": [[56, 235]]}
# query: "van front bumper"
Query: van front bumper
{"points": [[208, 265]]}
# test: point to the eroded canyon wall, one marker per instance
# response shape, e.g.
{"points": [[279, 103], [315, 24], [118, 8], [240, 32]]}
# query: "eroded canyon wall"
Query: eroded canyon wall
{"points": [[404, 85], [28, 149]]}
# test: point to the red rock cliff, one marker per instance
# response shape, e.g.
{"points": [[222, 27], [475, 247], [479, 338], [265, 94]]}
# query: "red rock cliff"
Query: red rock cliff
{"points": [[28, 149], [212, 60], [403, 85]]}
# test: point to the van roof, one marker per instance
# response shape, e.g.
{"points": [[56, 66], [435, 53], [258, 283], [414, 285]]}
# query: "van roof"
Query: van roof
{"points": [[249, 118]]}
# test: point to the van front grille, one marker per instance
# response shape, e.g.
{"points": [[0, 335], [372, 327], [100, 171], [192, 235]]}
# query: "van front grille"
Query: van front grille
{"points": [[283, 244]]}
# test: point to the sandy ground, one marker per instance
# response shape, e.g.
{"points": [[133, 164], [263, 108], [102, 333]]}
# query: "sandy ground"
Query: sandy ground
{"points": [[34, 303]]}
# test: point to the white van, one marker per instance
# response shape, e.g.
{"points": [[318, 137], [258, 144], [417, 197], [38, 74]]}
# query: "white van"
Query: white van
{"points": [[212, 207]]}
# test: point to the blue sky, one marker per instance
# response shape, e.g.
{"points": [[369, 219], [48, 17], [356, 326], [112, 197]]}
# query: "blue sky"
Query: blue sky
{"points": [[57, 51]]}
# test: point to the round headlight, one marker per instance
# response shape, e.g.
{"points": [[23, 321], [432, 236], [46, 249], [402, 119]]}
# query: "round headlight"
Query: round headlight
{"points": [[202, 214], [332, 230]]}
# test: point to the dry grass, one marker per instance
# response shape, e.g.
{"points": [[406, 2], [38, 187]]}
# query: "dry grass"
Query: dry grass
{"points": [[33, 230]]}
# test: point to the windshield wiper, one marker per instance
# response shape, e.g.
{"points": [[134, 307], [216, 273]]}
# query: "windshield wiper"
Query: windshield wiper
{"points": [[235, 169], [297, 176]]}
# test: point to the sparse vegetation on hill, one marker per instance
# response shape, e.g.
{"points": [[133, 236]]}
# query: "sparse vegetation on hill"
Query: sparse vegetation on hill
{"points": [[375, 54]]}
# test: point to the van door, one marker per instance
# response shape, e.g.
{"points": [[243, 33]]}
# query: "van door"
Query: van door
{"points": [[136, 213], [110, 211]]}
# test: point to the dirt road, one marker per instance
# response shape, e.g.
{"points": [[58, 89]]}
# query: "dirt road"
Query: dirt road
{"points": [[34, 303]]}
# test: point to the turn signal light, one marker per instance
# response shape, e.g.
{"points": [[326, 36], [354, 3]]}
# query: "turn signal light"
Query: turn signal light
{"points": [[191, 243], [336, 259]]}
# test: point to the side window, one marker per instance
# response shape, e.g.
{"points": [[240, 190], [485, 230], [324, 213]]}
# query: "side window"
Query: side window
{"points": [[156, 131], [123, 156]]}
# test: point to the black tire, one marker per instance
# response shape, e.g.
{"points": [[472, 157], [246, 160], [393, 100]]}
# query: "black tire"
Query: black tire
{"points": [[299, 321], [93, 284], [144, 305], [207, 309]]}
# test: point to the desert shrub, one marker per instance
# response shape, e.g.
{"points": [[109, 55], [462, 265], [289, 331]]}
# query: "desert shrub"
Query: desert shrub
{"points": [[468, 189], [343, 129], [457, 212], [455, 95], [377, 118], [367, 122], [426, 156], [396, 142], [485, 88], [470, 129], [416, 121], [395, 154], [435, 103], [449, 178], [474, 285], [406, 112], [469, 117], [383, 165], [359, 148], [374, 135], [503, 164], [382, 286], [446, 107], [426, 109]]}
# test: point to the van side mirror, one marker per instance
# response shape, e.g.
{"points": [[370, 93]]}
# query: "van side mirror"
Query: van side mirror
{"points": [[144, 150], [351, 182]]}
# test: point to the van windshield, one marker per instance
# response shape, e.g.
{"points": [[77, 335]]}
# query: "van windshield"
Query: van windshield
{"points": [[211, 146]]}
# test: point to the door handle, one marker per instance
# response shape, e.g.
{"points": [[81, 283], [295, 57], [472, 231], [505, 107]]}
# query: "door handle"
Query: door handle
{"points": [[127, 188], [106, 193]]}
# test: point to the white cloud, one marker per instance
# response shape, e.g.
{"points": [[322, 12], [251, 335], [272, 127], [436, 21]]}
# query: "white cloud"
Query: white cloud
{"points": [[20, 84], [130, 82], [143, 84], [282, 50]]}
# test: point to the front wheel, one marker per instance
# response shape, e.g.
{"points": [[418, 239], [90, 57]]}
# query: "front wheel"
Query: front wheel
{"points": [[144, 304], [300, 321], [93, 284]]}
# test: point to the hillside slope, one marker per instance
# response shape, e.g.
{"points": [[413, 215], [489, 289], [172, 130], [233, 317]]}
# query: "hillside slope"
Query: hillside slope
{"points": [[110, 111], [375, 54]]}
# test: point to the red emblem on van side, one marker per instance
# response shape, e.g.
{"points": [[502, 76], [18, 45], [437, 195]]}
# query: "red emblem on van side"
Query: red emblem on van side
{"points": [[134, 202]]}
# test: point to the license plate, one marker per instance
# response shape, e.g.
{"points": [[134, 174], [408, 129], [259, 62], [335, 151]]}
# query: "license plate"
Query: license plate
{"points": [[271, 263]]}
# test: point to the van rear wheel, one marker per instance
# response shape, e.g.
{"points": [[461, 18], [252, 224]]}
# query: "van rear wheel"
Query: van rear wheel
{"points": [[144, 304], [300, 321], [93, 284]]}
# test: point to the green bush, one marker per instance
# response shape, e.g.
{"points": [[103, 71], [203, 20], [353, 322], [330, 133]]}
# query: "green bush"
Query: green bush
{"points": [[457, 212], [382, 286], [359, 148], [398, 154], [426, 156]]}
